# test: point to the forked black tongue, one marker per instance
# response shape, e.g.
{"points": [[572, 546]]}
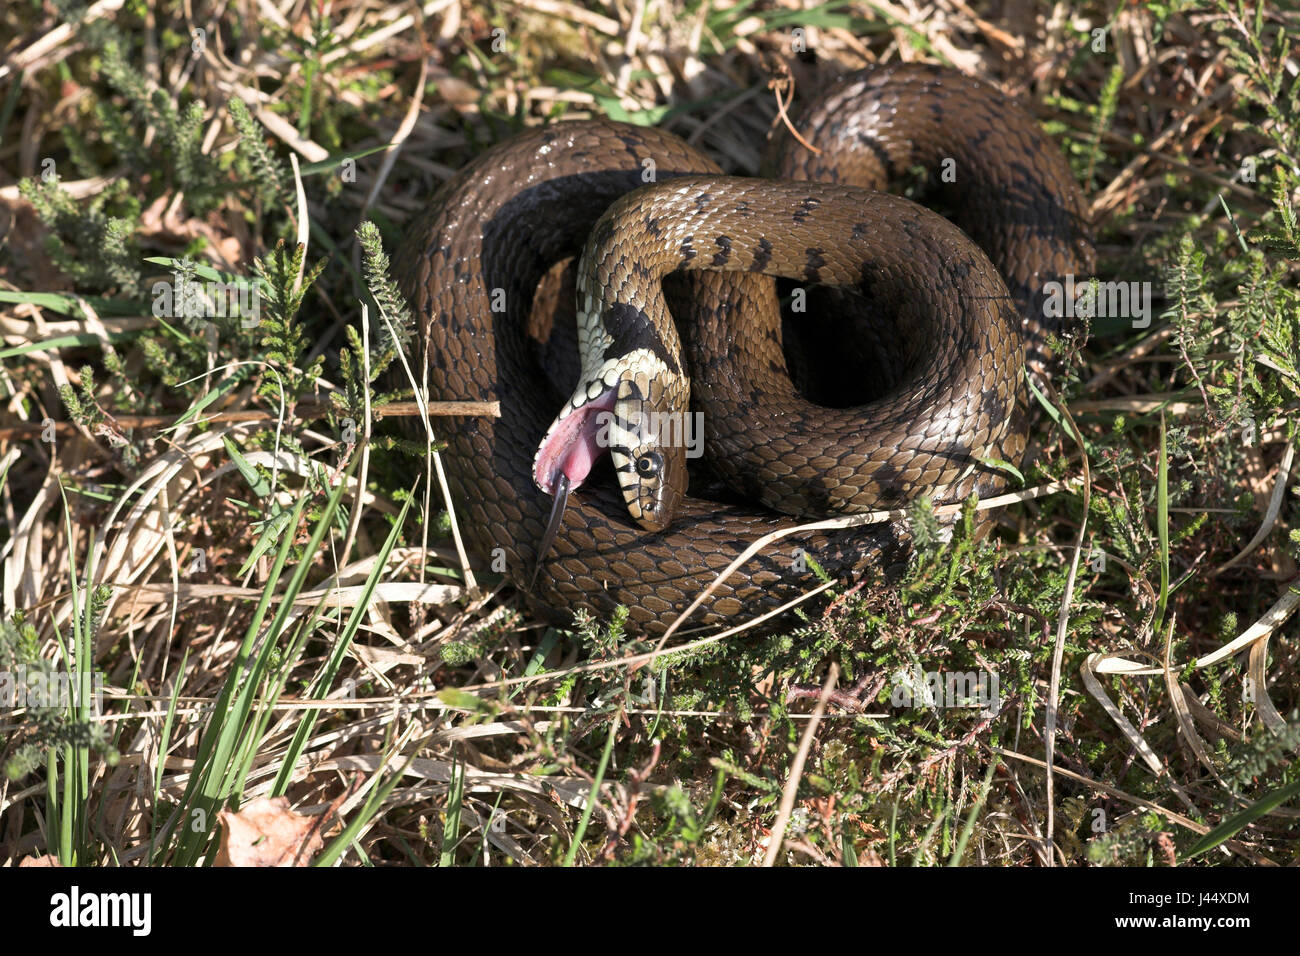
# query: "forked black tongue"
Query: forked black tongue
{"points": [[558, 505]]}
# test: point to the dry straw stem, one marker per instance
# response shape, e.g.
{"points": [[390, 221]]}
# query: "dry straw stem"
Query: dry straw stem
{"points": [[395, 144], [1272, 512], [856, 521], [305, 411], [51, 48], [635, 661], [433, 458], [791, 789], [1178, 119], [1171, 815], [1274, 618], [1186, 708], [1062, 623]]}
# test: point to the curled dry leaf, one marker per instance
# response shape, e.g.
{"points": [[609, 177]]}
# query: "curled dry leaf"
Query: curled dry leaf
{"points": [[267, 833]]}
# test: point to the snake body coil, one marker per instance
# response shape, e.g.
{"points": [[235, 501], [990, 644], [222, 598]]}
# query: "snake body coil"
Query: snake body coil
{"points": [[960, 326]]}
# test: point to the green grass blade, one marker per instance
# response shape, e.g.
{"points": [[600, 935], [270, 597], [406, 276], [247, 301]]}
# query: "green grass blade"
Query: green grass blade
{"points": [[451, 829], [1162, 525], [236, 770], [221, 389], [595, 795], [68, 304], [1234, 824], [324, 682], [216, 742], [377, 797], [960, 849], [164, 742]]}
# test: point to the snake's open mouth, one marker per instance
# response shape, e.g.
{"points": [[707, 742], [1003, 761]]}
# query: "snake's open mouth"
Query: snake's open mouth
{"points": [[571, 446]]}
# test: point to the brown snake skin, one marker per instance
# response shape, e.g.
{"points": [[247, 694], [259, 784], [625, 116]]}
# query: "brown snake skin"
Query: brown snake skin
{"points": [[472, 264]]}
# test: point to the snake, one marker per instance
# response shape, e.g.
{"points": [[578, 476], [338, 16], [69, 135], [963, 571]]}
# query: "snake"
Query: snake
{"points": [[932, 324]]}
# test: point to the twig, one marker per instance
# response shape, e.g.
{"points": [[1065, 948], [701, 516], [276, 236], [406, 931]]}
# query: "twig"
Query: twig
{"points": [[784, 81], [307, 411], [1058, 651], [796, 770], [1274, 508]]}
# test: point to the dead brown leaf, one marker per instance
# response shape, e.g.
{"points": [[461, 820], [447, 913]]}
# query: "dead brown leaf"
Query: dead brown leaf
{"points": [[267, 833]]}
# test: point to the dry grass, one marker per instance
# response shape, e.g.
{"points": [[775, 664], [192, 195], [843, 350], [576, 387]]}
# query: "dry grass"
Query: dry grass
{"points": [[462, 704]]}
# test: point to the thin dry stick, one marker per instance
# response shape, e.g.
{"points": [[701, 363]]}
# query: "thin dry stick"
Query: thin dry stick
{"points": [[1272, 619], [796, 770], [56, 37], [306, 411], [1172, 816], [275, 124], [1155, 338], [572, 14], [630, 45], [1107, 198], [1058, 651], [1274, 508], [1171, 402], [776, 83], [432, 459], [400, 25], [638, 660], [399, 138], [853, 521], [424, 701]]}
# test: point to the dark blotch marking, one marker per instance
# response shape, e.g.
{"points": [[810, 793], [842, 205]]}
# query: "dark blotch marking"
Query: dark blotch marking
{"points": [[624, 321], [631, 329], [762, 257], [806, 207], [992, 406], [868, 142], [813, 264], [603, 232], [723, 255], [886, 479]]}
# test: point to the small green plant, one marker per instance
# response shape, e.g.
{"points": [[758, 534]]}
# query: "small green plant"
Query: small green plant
{"points": [[284, 286]]}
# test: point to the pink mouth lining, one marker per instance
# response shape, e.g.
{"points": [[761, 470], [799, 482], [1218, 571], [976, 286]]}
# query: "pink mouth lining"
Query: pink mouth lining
{"points": [[571, 447]]}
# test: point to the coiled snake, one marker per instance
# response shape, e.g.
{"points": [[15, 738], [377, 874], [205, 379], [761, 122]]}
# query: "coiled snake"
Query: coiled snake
{"points": [[958, 335]]}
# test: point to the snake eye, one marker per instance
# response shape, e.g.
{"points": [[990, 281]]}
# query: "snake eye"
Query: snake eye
{"points": [[647, 466]]}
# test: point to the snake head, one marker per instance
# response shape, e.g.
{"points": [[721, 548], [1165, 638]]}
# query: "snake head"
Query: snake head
{"points": [[649, 461], [637, 417]]}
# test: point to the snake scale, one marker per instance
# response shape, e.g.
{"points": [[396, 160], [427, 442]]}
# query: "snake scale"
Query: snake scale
{"points": [[960, 320]]}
